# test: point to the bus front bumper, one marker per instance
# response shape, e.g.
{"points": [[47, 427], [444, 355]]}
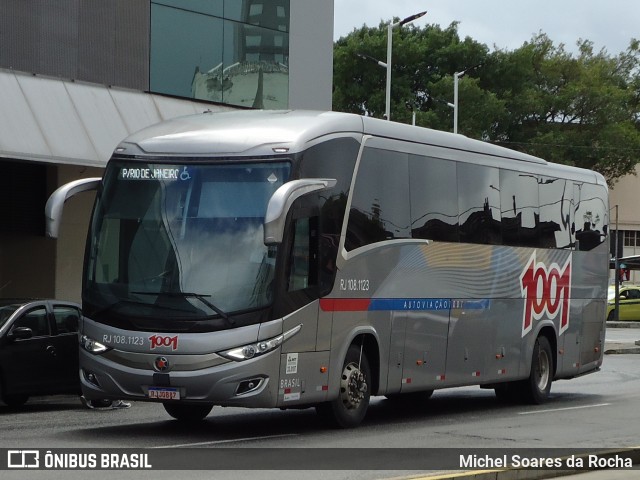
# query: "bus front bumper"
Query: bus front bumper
{"points": [[188, 378]]}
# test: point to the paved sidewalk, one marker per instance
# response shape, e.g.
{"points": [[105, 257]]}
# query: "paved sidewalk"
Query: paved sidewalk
{"points": [[622, 347]]}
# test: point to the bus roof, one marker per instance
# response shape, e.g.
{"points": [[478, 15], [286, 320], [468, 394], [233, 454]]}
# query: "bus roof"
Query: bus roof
{"points": [[245, 132], [267, 132]]}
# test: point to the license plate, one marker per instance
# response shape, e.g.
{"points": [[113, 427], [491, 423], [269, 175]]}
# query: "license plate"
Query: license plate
{"points": [[164, 393]]}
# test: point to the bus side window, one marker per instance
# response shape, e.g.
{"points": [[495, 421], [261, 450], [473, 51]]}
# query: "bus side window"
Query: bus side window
{"points": [[556, 197], [519, 209], [434, 199], [380, 205], [591, 216], [303, 272], [479, 204]]}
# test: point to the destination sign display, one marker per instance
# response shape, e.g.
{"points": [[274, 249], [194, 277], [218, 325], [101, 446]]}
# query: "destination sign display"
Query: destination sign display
{"points": [[155, 172]]}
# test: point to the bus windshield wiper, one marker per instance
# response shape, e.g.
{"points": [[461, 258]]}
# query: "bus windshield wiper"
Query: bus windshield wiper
{"points": [[199, 296]]}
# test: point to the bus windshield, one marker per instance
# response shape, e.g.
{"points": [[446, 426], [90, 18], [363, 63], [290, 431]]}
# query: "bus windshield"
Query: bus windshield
{"points": [[182, 240]]}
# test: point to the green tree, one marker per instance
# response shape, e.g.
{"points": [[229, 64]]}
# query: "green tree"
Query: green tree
{"points": [[422, 67], [580, 109]]}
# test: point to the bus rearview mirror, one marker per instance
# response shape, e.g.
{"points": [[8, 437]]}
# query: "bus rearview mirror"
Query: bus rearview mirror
{"points": [[281, 202], [55, 203]]}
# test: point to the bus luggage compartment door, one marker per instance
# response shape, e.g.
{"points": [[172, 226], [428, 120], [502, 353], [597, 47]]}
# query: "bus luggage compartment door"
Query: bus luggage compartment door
{"points": [[418, 350]]}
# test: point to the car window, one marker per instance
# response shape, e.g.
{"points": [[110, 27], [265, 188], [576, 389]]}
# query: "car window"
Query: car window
{"points": [[36, 320], [6, 312], [635, 294], [66, 318]]}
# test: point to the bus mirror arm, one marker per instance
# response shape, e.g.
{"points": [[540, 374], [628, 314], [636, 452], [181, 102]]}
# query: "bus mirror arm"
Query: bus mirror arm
{"points": [[55, 203], [281, 201]]}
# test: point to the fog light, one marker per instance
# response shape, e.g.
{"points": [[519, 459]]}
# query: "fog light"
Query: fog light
{"points": [[91, 378], [249, 385]]}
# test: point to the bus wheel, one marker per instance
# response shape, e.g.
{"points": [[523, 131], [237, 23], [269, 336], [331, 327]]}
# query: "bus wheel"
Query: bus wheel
{"points": [[537, 387], [188, 412], [349, 409]]}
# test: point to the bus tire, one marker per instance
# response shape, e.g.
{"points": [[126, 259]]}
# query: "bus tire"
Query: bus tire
{"points": [[188, 412], [536, 388], [350, 408]]}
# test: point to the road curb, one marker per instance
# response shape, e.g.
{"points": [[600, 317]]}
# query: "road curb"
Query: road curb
{"points": [[623, 324], [613, 348], [527, 474], [621, 350]]}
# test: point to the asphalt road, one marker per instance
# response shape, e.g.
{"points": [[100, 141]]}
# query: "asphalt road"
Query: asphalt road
{"points": [[592, 412]]}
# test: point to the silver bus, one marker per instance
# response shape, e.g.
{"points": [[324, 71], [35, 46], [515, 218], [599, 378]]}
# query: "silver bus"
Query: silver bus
{"points": [[305, 259]]}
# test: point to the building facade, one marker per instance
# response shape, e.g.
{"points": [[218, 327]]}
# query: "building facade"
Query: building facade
{"points": [[623, 200], [78, 76]]}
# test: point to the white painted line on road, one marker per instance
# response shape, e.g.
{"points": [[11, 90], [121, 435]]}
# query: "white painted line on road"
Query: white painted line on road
{"points": [[564, 409], [231, 440]]}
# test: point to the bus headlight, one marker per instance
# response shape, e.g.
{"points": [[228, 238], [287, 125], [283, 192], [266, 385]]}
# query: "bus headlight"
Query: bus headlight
{"points": [[253, 350], [92, 346]]}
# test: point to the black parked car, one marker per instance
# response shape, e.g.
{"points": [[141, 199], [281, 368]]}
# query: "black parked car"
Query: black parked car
{"points": [[38, 349]]}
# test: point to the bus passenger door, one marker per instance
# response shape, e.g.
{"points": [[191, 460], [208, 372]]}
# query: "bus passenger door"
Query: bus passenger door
{"points": [[296, 302]]}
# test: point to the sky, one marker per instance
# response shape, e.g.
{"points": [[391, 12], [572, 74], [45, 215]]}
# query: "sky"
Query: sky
{"points": [[507, 24]]}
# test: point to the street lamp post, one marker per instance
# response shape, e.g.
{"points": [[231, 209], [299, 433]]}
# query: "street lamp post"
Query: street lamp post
{"points": [[439, 100], [388, 64], [456, 78], [616, 266]]}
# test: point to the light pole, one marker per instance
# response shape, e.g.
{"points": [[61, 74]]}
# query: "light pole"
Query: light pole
{"points": [[456, 77], [390, 27], [439, 100], [616, 266], [369, 57]]}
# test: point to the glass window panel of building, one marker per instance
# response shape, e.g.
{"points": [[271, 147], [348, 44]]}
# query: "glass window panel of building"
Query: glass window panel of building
{"points": [[271, 14], [228, 51], [207, 7], [184, 45], [631, 238]]}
